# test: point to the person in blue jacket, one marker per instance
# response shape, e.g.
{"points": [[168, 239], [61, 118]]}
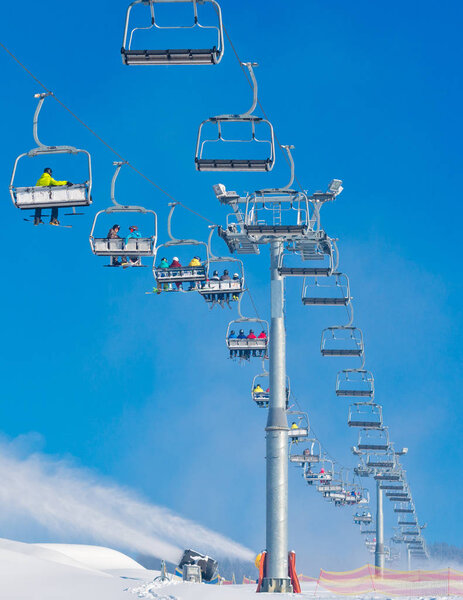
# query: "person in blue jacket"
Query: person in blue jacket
{"points": [[133, 234], [232, 336]]}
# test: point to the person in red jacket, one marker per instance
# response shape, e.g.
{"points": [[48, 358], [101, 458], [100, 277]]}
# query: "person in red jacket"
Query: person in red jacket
{"points": [[252, 336], [173, 265], [262, 336]]}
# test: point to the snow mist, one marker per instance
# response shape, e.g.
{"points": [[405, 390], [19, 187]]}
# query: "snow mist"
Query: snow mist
{"points": [[70, 502]]}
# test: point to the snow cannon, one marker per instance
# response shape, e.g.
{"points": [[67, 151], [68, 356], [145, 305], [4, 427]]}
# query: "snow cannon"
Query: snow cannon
{"points": [[207, 564]]}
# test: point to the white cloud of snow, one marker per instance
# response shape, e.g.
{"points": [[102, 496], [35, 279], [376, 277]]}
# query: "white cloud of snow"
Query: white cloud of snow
{"points": [[72, 502]]}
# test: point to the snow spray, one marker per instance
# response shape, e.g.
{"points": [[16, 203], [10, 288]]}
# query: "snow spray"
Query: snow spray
{"points": [[72, 502]]}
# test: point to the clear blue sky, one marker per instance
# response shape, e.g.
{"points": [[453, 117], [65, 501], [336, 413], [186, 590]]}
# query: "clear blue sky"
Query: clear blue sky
{"points": [[138, 387]]}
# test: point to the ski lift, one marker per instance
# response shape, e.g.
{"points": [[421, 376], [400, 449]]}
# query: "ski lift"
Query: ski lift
{"points": [[391, 475], [248, 119], [355, 383], [362, 517], [56, 196], [381, 460], [190, 56], [243, 348], [328, 291], [172, 278], [362, 471], [342, 341], [374, 439], [261, 393], [309, 456], [321, 249], [131, 249], [404, 507], [299, 428], [326, 469], [366, 415], [222, 289]]}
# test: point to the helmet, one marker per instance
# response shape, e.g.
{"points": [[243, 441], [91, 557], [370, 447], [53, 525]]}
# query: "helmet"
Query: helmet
{"points": [[48, 170], [251, 331], [241, 330], [175, 258], [215, 273], [235, 276], [197, 257], [133, 227]]}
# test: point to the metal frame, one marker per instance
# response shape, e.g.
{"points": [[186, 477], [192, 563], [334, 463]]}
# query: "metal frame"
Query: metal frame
{"points": [[341, 286], [348, 376], [246, 164], [140, 247], [177, 56], [193, 275], [82, 190]]}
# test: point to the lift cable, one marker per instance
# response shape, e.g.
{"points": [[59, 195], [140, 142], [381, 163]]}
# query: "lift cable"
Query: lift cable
{"points": [[244, 70], [98, 137]]}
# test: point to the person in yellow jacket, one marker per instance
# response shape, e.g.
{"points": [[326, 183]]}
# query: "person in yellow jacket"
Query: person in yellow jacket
{"points": [[46, 180], [194, 262], [258, 389]]}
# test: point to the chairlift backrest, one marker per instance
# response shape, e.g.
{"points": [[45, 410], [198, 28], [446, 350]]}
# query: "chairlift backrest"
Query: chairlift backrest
{"points": [[173, 56]]}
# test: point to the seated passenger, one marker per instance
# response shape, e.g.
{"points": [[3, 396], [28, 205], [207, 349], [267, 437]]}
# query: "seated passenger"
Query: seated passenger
{"points": [[232, 336], [176, 264], [237, 281], [133, 234], [164, 264], [258, 389], [46, 180], [225, 276], [194, 262], [113, 234]]}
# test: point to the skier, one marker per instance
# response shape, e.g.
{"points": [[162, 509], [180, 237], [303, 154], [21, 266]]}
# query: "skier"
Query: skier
{"points": [[46, 180]]}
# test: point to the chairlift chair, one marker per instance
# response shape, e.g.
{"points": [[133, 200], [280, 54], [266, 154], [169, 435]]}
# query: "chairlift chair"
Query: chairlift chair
{"points": [[188, 56], [299, 427], [262, 398], [318, 247], [308, 456], [173, 278], [381, 460], [131, 248], [366, 415], [403, 507], [355, 383], [325, 469], [362, 517], [374, 440], [204, 163], [58, 196], [327, 291], [342, 341], [225, 288], [245, 348]]}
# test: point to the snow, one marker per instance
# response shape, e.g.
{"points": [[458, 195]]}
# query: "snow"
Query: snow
{"points": [[78, 572]]}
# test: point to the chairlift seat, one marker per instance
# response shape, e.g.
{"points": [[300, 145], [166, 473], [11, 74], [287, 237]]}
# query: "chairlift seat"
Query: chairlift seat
{"points": [[116, 247], [252, 344], [304, 458], [329, 488], [304, 272], [197, 56], [365, 424], [51, 196], [404, 510], [342, 352], [234, 164], [388, 477], [180, 274], [314, 301], [355, 393], [406, 522], [267, 229], [373, 446], [299, 432]]}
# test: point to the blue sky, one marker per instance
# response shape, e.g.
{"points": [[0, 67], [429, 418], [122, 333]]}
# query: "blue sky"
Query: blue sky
{"points": [[138, 387]]}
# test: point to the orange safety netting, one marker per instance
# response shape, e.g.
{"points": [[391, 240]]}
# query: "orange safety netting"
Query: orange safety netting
{"points": [[367, 579]]}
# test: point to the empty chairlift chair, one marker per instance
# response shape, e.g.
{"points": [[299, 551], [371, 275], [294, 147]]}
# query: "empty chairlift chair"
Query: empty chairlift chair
{"points": [[32, 197], [326, 291], [320, 249], [374, 440], [222, 144], [244, 345], [342, 341], [172, 56], [366, 415], [355, 383], [124, 249]]}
